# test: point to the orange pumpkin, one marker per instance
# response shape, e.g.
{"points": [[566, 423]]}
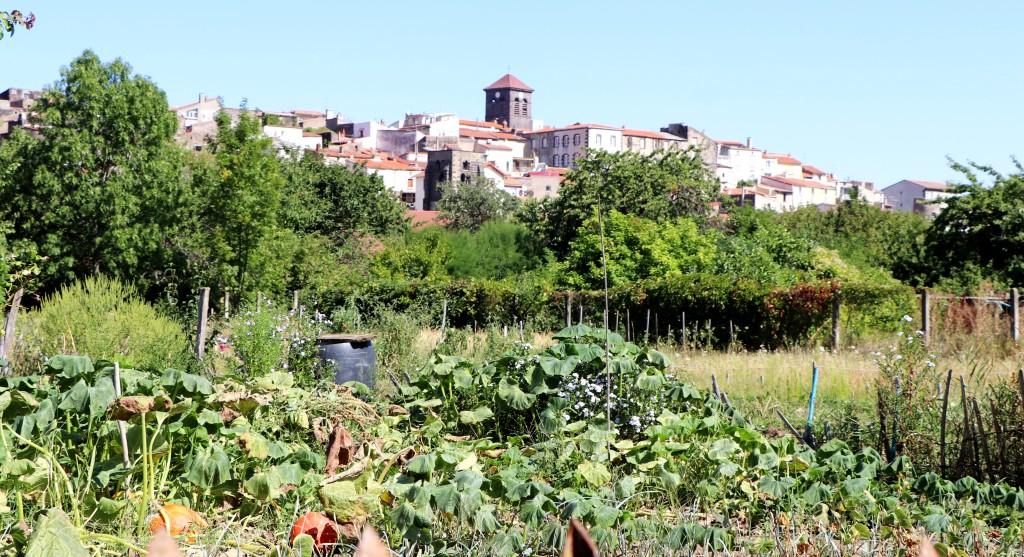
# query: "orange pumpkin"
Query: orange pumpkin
{"points": [[180, 518], [322, 529]]}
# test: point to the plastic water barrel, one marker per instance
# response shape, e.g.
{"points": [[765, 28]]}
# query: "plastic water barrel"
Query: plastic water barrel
{"points": [[351, 356]]}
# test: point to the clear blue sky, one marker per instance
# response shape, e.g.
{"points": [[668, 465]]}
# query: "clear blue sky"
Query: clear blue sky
{"points": [[875, 90]]}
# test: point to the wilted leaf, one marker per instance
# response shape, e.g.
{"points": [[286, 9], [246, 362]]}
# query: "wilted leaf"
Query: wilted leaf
{"points": [[594, 473]]}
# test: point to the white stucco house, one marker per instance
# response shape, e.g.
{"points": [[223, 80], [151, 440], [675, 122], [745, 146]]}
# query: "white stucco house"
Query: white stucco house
{"points": [[800, 192], [918, 196], [738, 162]]}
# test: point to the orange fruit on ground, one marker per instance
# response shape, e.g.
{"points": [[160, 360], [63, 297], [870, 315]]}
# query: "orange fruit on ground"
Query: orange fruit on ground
{"points": [[181, 520], [322, 529]]}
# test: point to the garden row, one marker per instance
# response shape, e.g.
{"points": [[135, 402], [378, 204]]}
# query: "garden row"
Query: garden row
{"points": [[487, 458]]}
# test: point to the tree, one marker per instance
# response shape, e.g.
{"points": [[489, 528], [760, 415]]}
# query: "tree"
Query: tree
{"points": [[336, 201], [637, 248], [103, 185], [468, 205], [498, 250], [242, 211], [980, 233], [862, 233], [9, 21], [661, 187]]}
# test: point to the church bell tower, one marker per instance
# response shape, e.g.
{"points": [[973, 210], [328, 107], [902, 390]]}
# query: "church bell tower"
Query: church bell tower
{"points": [[509, 102]]}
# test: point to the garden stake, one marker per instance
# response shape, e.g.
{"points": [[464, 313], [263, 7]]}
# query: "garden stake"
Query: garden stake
{"points": [[790, 427], [942, 424], [121, 429], [714, 387], [607, 346], [203, 310], [12, 317], [968, 426], [984, 442], [1000, 430], [647, 327], [895, 439], [444, 319], [1020, 384], [809, 430], [683, 320]]}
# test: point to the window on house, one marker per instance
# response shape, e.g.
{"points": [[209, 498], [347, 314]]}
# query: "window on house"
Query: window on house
{"points": [[465, 165], [576, 139], [612, 141], [565, 140], [565, 160], [525, 103], [597, 140], [544, 141], [554, 160], [515, 108]]}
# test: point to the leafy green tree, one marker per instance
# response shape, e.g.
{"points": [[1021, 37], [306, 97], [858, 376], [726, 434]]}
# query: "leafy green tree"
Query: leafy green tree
{"points": [[336, 201], [241, 213], [862, 233], [980, 233], [497, 250], [103, 185], [660, 187], [418, 255], [468, 205], [636, 248]]}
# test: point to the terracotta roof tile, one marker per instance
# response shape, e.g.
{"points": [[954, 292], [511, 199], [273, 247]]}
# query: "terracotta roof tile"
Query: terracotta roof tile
{"points": [[509, 81], [482, 134], [783, 159], [937, 186], [792, 182], [482, 124], [651, 135], [813, 170]]}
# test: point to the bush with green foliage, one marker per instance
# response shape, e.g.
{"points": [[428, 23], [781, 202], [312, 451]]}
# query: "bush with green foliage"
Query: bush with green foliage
{"points": [[102, 318], [498, 250], [468, 205], [635, 249], [660, 187], [983, 225]]}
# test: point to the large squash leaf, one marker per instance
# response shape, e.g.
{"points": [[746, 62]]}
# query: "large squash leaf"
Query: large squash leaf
{"points": [[55, 535]]}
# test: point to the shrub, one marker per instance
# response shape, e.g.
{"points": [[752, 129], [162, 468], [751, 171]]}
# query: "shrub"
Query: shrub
{"points": [[266, 338], [103, 318]]}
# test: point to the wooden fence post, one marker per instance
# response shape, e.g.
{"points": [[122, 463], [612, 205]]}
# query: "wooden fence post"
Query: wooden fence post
{"points": [[925, 315], [12, 317], [204, 310], [227, 304], [295, 301], [684, 329], [568, 309], [835, 323], [1014, 315]]}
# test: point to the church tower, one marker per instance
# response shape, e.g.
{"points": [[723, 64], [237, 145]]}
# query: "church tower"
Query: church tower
{"points": [[509, 102]]}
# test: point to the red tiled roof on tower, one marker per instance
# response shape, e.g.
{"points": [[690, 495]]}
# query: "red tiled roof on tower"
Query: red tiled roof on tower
{"points": [[509, 81]]}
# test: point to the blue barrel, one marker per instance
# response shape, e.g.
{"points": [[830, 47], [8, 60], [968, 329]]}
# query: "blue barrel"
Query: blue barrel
{"points": [[351, 356]]}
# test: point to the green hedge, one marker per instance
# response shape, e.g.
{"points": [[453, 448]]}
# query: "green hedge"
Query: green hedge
{"points": [[757, 315]]}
